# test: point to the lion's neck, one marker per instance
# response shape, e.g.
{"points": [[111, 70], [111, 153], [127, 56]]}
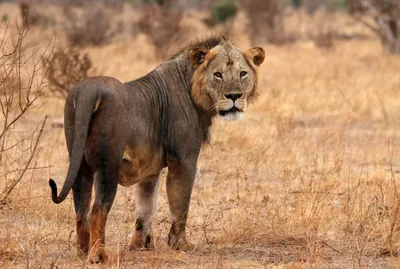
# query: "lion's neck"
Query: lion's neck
{"points": [[183, 71], [167, 92]]}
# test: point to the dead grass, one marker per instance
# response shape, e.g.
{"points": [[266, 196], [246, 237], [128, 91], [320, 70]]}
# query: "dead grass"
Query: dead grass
{"points": [[309, 179]]}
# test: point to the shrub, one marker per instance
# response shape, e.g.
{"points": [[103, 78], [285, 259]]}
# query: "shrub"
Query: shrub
{"points": [[324, 40], [222, 14], [266, 20], [24, 9], [223, 11], [66, 68], [91, 28], [163, 29], [159, 2], [297, 3], [313, 5], [30, 16]]}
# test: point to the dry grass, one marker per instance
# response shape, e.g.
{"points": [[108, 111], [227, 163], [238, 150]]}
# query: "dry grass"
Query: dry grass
{"points": [[308, 179]]}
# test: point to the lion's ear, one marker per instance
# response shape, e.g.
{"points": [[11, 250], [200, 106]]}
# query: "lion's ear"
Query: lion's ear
{"points": [[256, 55], [197, 56]]}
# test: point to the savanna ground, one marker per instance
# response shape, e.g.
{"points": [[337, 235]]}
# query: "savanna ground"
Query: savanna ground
{"points": [[308, 178]]}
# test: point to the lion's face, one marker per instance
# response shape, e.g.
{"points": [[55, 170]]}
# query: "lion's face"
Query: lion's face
{"points": [[225, 79]]}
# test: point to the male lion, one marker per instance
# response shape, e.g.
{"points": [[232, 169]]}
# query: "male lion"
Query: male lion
{"points": [[127, 133]]}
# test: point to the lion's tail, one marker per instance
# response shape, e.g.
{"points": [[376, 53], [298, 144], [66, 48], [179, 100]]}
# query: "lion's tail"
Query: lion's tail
{"points": [[86, 103]]}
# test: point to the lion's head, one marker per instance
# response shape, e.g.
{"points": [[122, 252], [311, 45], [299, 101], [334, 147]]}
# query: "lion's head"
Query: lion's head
{"points": [[225, 79]]}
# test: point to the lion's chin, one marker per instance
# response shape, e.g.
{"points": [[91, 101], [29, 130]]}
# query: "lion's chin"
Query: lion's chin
{"points": [[231, 116]]}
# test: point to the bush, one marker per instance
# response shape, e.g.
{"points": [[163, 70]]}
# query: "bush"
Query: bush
{"points": [[24, 10], [324, 40], [266, 20], [66, 68], [297, 3], [91, 28], [159, 2], [31, 16], [163, 28], [222, 14], [223, 11], [313, 5]]}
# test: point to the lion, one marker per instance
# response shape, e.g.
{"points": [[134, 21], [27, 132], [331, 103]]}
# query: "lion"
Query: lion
{"points": [[127, 133]]}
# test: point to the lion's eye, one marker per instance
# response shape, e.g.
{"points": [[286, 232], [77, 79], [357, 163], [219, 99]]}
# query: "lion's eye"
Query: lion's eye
{"points": [[243, 73], [218, 74]]}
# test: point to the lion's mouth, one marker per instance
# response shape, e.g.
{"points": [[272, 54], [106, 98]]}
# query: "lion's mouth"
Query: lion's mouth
{"points": [[232, 110]]}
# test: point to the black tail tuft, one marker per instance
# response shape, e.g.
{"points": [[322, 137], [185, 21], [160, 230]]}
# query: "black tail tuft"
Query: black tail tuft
{"points": [[53, 187]]}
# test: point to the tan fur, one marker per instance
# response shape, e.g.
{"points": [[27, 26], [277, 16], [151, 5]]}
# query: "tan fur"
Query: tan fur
{"points": [[199, 93], [206, 96], [74, 100], [97, 235], [96, 106], [250, 54]]}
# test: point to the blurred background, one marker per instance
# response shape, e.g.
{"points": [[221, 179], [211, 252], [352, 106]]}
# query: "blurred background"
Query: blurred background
{"points": [[157, 28]]}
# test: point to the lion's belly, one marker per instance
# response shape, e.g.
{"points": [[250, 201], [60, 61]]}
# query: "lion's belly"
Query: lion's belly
{"points": [[138, 164]]}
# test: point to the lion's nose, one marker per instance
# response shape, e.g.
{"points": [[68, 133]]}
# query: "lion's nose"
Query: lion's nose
{"points": [[233, 96]]}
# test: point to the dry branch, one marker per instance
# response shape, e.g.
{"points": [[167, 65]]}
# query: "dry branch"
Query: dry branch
{"points": [[22, 84], [386, 15], [9, 189]]}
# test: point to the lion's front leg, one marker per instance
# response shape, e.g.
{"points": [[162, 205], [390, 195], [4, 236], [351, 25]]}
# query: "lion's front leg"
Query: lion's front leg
{"points": [[146, 207], [180, 181]]}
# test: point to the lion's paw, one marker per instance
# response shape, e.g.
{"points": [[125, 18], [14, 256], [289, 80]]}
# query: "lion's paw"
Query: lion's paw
{"points": [[180, 243], [140, 241], [97, 255]]}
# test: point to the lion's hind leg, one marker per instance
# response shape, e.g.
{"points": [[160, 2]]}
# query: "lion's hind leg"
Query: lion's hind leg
{"points": [[146, 207], [106, 188], [82, 191]]}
